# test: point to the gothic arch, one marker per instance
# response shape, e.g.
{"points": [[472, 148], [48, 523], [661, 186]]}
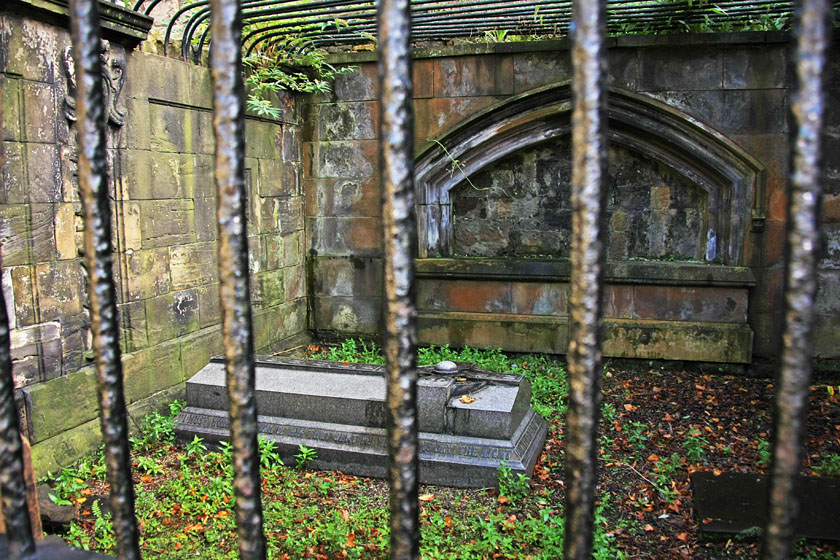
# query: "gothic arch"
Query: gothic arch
{"points": [[733, 179]]}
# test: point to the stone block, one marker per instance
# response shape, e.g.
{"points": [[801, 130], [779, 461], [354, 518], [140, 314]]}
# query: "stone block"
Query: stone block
{"points": [[198, 348], [291, 214], [758, 67], [347, 316], [704, 342], [193, 265], [767, 328], [14, 234], [293, 248], [65, 231], [680, 68], [261, 140], [10, 90], [133, 326], [42, 232], [773, 243], [734, 111], [135, 134], [347, 121], [470, 296], [423, 73], [353, 276], [532, 70], [172, 129], [171, 315], [38, 115], [205, 219], [827, 337], [539, 298], [166, 222], [360, 85], [351, 160], [272, 247], [618, 301], [831, 246], [623, 68], [294, 283], [60, 289], [433, 117], [489, 331], [343, 197], [152, 370], [291, 142], [51, 412], [31, 48], [15, 190], [148, 273], [361, 237], [468, 76], [24, 296], [165, 79], [175, 176], [279, 178], [828, 293], [36, 353], [66, 448], [156, 402], [70, 175], [267, 288], [701, 304], [209, 305], [767, 295], [43, 172], [205, 143], [136, 174]]}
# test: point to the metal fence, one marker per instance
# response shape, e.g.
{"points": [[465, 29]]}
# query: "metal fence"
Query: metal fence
{"points": [[589, 143]]}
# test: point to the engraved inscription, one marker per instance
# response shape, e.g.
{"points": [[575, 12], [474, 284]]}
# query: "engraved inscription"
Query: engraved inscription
{"points": [[527, 437]]}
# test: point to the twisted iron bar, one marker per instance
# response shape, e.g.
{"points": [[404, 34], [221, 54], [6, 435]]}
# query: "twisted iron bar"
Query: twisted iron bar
{"points": [[237, 334], [589, 187], [399, 225], [812, 38], [93, 182]]}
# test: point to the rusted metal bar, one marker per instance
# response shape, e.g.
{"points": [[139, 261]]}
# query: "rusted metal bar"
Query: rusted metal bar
{"points": [[396, 167], [93, 183], [812, 37], [237, 334], [12, 485], [589, 188]]}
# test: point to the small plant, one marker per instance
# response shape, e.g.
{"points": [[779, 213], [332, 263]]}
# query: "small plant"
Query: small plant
{"points": [[516, 487], [637, 436], [269, 457], [103, 528], [763, 449], [66, 485], [149, 465], [608, 414], [694, 445], [830, 465], [196, 447], [305, 456]]}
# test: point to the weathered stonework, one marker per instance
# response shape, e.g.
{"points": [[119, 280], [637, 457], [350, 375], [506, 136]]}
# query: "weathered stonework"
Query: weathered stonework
{"points": [[161, 167]]}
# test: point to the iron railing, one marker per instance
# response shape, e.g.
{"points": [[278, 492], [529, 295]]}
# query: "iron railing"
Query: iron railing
{"points": [[400, 239]]}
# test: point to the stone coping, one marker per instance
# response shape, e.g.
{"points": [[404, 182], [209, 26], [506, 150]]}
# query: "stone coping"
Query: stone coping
{"points": [[626, 41], [119, 24], [552, 270]]}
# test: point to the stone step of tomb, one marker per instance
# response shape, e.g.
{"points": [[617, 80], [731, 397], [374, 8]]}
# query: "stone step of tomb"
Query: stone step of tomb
{"points": [[339, 410]]}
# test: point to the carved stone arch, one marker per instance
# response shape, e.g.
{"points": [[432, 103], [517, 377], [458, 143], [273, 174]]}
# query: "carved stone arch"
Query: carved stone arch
{"points": [[733, 179]]}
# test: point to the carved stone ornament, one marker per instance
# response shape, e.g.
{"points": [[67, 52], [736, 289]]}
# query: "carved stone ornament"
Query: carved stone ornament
{"points": [[113, 71]]}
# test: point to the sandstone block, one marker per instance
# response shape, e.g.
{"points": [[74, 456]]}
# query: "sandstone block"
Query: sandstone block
{"points": [[193, 265], [148, 273], [172, 315]]}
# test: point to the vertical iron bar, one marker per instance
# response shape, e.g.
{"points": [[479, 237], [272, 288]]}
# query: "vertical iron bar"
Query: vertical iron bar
{"points": [[589, 187], [234, 291], [93, 183], [396, 165], [803, 241], [13, 506]]}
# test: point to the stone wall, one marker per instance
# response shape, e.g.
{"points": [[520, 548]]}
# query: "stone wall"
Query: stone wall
{"points": [[733, 88], [161, 158]]}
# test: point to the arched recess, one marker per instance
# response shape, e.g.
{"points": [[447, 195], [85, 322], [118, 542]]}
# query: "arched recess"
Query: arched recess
{"points": [[733, 179]]}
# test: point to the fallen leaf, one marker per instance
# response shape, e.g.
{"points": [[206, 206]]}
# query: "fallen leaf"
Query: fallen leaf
{"points": [[502, 499], [351, 540], [707, 520], [653, 457], [426, 497], [649, 528], [466, 399], [683, 536], [629, 407], [668, 418]]}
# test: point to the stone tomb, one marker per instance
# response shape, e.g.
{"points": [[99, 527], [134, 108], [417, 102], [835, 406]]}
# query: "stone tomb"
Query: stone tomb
{"points": [[339, 410]]}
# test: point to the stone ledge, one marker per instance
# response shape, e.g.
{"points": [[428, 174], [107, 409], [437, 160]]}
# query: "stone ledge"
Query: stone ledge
{"points": [[119, 24], [623, 338], [629, 272], [677, 39]]}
